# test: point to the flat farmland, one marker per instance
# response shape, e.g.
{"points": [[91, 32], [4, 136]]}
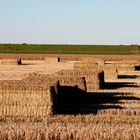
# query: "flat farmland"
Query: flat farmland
{"points": [[69, 49], [59, 96]]}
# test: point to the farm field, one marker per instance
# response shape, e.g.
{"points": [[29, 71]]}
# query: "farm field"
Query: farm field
{"points": [[69, 49], [47, 97]]}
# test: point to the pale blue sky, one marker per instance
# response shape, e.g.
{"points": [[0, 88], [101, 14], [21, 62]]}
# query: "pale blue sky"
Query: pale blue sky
{"points": [[70, 21]]}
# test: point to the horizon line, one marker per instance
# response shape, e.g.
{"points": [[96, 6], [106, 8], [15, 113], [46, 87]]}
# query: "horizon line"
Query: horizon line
{"points": [[69, 44]]}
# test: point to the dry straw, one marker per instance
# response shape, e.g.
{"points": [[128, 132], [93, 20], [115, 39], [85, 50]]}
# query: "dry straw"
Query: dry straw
{"points": [[33, 96], [84, 66], [93, 78], [73, 81], [26, 100], [110, 73], [25, 103], [131, 62], [126, 69], [10, 62], [52, 59], [98, 61], [65, 80]]}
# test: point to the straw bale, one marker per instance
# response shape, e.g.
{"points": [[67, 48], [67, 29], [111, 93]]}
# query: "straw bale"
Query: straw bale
{"points": [[73, 81], [90, 59], [133, 62], [110, 71], [126, 68], [93, 78], [99, 62], [88, 65], [23, 104], [65, 80], [110, 77], [52, 59], [109, 68], [84, 66], [123, 65], [10, 62], [26, 102], [81, 73], [93, 83]]}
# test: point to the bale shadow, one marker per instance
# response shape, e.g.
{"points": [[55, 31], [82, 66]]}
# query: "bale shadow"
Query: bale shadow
{"points": [[73, 101], [127, 76], [137, 68], [116, 85]]}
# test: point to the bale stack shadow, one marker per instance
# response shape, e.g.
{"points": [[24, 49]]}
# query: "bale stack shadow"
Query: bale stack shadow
{"points": [[73, 100]]}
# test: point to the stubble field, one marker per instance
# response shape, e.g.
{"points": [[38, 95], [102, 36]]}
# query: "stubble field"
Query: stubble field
{"points": [[69, 97]]}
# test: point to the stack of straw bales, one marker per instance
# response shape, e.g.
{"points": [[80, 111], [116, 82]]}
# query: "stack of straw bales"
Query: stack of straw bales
{"points": [[73, 81], [65, 80], [121, 66], [35, 96], [19, 100], [93, 81]]}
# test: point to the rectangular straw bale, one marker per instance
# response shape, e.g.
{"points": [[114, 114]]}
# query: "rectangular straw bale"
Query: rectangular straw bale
{"points": [[99, 62], [73, 81], [39, 79], [90, 59], [110, 77], [81, 73], [10, 61], [123, 65], [84, 66], [52, 59], [93, 83], [26, 102], [110, 73], [133, 62], [26, 84], [92, 77], [126, 68], [67, 79]]}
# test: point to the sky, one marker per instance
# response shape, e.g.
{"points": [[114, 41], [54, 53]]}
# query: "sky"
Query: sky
{"points": [[70, 21]]}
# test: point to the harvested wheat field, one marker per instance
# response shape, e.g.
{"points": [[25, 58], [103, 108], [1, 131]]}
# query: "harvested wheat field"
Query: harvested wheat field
{"points": [[78, 97]]}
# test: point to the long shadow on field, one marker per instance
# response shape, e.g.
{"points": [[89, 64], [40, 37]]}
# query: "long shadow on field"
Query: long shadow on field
{"points": [[127, 76], [72, 100], [116, 85]]}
